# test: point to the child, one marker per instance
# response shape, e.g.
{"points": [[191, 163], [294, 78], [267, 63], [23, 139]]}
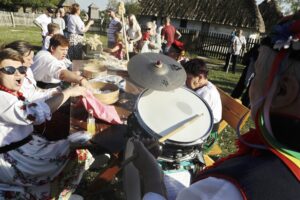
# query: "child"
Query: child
{"points": [[53, 29], [182, 59], [197, 81], [30, 166], [117, 50]]}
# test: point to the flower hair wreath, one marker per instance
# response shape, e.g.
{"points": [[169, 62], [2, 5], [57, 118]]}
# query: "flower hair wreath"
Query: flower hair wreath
{"points": [[286, 35]]}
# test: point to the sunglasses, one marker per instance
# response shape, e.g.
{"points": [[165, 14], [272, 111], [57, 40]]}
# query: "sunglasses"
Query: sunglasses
{"points": [[10, 70]]}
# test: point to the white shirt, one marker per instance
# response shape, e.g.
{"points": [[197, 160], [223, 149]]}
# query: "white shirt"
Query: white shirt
{"points": [[31, 92], [132, 32], [47, 68], [75, 24], [207, 189], [238, 42], [14, 125], [61, 22], [154, 40], [211, 95], [44, 20]]}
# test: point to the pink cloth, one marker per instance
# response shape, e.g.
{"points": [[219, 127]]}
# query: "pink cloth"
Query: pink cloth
{"points": [[101, 111]]}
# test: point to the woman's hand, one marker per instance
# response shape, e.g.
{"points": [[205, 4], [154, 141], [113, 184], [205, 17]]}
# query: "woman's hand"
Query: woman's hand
{"points": [[91, 22], [76, 91], [85, 83]]}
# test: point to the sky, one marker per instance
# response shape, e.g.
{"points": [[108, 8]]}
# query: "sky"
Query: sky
{"points": [[85, 3], [102, 3]]}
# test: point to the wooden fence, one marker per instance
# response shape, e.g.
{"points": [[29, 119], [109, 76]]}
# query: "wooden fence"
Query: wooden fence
{"points": [[17, 19], [211, 44]]}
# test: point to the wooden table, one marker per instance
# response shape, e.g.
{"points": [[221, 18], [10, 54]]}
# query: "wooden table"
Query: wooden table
{"points": [[109, 137]]}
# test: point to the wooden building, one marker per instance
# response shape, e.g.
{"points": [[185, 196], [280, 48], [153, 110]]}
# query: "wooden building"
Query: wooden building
{"points": [[217, 16]]}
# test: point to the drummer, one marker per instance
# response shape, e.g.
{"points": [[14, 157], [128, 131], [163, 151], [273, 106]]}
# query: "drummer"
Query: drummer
{"points": [[197, 80]]}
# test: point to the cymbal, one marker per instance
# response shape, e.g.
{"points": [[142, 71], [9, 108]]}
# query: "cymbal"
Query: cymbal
{"points": [[156, 71]]}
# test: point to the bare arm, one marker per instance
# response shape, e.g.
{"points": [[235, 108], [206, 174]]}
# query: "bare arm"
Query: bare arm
{"points": [[57, 100], [178, 34], [87, 27], [113, 50], [71, 77]]}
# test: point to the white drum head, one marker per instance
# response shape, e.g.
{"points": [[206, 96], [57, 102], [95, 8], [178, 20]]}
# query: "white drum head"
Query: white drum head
{"points": [[163, 111]]}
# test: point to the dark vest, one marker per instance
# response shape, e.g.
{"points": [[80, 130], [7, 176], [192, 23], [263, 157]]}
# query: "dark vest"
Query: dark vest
{"points": [[263, 177]]}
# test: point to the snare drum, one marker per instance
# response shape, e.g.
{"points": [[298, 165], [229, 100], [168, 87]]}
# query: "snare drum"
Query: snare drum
{"points": [[159, 112]]}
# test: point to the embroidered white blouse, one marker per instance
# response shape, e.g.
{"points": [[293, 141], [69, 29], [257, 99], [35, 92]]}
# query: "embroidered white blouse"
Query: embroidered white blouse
{"points": [[31, 92], [17, 117], [47, 68]]}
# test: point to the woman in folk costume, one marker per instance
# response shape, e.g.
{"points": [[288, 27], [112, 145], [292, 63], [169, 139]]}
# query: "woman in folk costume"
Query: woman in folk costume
{"points": [[267, 164], [29, 87], [30, 166]]}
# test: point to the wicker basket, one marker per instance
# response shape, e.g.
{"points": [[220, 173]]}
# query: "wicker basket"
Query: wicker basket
{"points": [[93, 70], [109, 97]]}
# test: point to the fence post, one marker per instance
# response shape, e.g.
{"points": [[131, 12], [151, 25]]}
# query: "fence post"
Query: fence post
{"points": [[12, 19]]}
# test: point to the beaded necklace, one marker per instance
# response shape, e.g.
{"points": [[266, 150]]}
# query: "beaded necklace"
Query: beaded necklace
{"points": [[19, 95]]}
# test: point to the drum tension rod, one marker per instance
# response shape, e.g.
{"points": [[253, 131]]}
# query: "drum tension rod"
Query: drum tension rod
{"points": [[163, 139]]}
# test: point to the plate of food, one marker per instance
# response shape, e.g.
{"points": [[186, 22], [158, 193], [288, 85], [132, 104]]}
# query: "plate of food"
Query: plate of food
{"points": [[113, 79]]}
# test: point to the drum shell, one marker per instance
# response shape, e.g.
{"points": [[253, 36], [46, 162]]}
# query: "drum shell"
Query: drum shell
{"points": [[171, 109], [170, 150]]}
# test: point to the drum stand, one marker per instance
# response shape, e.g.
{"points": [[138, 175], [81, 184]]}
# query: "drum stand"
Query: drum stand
{"points": [[193, 162]]}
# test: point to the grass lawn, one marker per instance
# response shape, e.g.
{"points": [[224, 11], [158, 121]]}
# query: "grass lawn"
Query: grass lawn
{"points": [[30, 34], [225, 81]]}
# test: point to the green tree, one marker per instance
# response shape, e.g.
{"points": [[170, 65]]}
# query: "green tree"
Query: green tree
{"points": [[133, 7], [12, 4], [6, 4], [113, 4], [289, 6]]}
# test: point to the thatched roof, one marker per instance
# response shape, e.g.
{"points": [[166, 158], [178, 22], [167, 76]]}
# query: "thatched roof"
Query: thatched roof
{"points": [[66, 3], [270, 12], [237, 13]]}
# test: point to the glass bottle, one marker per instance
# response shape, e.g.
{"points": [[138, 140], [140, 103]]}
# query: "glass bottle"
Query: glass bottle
{"points": [[91, 125]]}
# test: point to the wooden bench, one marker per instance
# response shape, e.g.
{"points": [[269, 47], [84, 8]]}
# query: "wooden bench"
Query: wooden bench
{"points": [[232, 111]]}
